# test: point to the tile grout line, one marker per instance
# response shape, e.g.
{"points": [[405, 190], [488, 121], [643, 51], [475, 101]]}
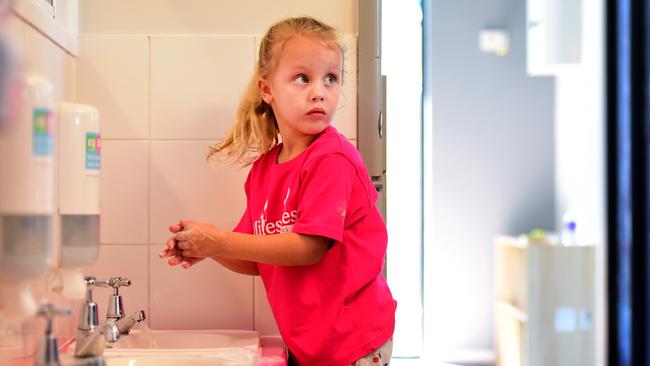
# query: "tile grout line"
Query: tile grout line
{"points": [[149, 181]]}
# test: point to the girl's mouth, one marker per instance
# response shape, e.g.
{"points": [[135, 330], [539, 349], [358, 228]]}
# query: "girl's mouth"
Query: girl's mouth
{"points": [[316, 112]]}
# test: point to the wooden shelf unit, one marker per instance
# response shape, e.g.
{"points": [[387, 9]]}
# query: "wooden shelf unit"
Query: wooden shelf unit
{"points": [[544, 303]]}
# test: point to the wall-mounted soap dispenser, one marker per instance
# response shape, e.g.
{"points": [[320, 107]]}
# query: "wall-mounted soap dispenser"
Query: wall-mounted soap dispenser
{"points": [[27, 199], [79, 162], [27, 193]]}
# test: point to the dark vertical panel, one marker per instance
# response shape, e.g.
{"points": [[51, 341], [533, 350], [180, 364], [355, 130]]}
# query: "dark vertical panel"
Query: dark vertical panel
{"points": [[613, 354], [628, 171], [645, 132]]}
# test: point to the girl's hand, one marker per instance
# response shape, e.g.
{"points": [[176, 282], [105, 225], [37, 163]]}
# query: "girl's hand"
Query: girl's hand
{"points": [[196, 239], [175, 253]]}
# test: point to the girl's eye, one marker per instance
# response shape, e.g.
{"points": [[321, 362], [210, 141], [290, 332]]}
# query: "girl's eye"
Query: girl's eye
{"points": [[301, 79], [331, 79]]}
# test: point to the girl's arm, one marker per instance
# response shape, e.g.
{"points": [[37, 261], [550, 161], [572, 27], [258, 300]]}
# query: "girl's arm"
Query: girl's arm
{"points": [[239, 266], [200, 239], [286, 249], [236, 265]]}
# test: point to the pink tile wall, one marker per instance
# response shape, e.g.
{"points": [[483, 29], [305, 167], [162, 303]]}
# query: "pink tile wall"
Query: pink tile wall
{"points": [[124, 192], [113, 75], [184, 186], [163, 100], [196, 83], [207, 296]]}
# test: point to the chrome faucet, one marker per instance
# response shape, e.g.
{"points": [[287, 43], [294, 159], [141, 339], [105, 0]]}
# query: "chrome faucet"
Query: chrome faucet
{"points": [[48, 350], [115, 310], [91, 336]]}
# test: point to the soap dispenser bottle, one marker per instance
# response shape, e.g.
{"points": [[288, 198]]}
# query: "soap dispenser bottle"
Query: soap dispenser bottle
{"points": [[79, 163], [27, 199]]}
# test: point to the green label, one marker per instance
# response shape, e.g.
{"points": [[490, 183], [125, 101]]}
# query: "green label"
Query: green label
{"points": [[93, 150]]}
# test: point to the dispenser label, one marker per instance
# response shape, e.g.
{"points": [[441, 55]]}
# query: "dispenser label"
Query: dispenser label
{"points": [[42, 144], [93, 150]]}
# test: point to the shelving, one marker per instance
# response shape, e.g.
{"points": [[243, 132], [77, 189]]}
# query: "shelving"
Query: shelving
{"points": [[544, 303]]}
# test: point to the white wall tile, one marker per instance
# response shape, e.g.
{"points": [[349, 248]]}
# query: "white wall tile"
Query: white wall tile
{"points": [[207, 16], [264, 320], [113, 75], [131, 262], [345, 119], [184, 186], [196, 84], [124, 192], [206, 296]]}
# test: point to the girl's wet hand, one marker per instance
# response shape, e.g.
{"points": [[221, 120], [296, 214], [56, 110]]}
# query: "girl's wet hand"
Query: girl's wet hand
{"points": [[175, 254], [196, 239]]}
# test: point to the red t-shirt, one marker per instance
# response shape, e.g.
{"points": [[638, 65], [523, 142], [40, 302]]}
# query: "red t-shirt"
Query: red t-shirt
{"points": [[340, 309]]}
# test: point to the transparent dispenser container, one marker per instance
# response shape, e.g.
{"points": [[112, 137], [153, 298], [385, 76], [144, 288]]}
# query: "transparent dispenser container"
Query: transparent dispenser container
{"points": [[79, 163], [27, 198]]}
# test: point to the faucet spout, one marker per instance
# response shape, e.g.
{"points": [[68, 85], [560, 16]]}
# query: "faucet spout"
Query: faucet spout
{"points": [[126, 323], [92, 343]]}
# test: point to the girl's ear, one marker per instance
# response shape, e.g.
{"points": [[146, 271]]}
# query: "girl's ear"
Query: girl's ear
{"points": [[265, 90]]}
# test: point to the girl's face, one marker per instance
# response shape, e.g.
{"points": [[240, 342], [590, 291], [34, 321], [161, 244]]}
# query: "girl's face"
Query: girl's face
{"points": [[303, 90]]}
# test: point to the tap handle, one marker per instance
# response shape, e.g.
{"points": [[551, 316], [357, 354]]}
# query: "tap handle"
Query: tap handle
{"points": [[117, 282], [91, 283], [115, 305], [114, 282], [48, 351], [49, 311]]}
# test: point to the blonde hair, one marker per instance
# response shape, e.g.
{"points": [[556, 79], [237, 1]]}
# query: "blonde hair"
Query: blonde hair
{"points": [[255, 130]]}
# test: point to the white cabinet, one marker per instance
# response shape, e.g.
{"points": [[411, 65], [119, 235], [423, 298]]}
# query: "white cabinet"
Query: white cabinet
{"points": [[57, 20], [544, 304], [553, 35]]}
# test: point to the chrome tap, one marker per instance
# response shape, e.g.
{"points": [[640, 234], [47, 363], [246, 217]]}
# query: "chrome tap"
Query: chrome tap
{"points": [[48, 350], [91, 336], [115, 310], [126, 323]]}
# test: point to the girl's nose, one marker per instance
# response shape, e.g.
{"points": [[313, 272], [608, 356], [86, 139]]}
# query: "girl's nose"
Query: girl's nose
{"points": [[317, 93]]}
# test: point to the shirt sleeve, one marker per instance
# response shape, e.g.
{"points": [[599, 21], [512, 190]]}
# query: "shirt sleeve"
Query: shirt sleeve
{"points": [[245, 225], [324, 196]]}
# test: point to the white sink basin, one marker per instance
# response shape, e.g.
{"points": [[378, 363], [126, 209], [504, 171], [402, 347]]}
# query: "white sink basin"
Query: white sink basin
{"points": [[186, 341], [223, 358], [232, 357], [183, 348]]}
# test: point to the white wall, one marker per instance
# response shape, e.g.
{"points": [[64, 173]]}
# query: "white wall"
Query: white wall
{"points": [[207, 16], [166, 77], [510, 153], [580, 149], [402, 65], [492, 168]]}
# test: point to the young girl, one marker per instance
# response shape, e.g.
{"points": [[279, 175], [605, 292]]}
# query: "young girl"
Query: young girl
{"points": [[311, 229]]}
